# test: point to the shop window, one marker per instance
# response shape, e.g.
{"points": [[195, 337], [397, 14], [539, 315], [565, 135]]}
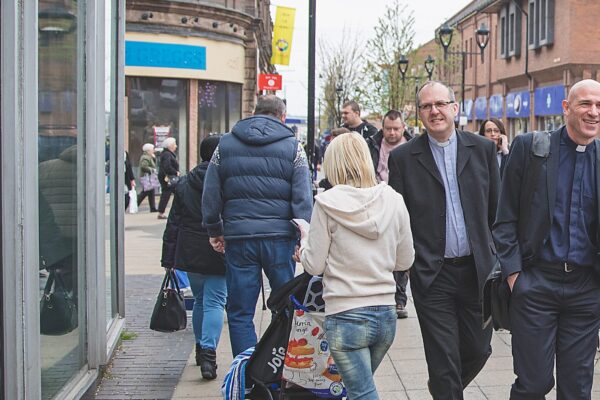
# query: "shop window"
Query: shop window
{"points": [[510, 31], [157, 109], [61, 188], [541, 23], [219, 107]]}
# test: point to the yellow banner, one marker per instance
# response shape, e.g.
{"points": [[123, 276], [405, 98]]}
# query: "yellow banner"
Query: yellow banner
{"points": [[283, 30]]}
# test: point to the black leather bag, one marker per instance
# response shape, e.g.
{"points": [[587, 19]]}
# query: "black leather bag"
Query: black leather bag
{"points": [[172, 181], [58, 309], [169, 313], [496, 300]]}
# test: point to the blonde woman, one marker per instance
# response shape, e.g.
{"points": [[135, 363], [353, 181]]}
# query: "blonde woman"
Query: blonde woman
{"points": [[359, 234]]}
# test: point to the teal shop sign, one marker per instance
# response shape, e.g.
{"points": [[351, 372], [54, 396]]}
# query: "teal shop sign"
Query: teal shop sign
{"points": [[164, 55]]}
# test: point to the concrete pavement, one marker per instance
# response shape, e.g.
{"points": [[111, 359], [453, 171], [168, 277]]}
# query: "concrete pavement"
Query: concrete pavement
{"points": [[147, 371]]}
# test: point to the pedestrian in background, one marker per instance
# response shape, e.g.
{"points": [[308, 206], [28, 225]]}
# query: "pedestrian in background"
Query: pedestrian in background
{"points": [[450, 182], [169, 170], [392, 135], [546, 234], [257, 181], [187, 248], [129, 179], [352, 120], [359, 234], [147, 169], [494, 130]]}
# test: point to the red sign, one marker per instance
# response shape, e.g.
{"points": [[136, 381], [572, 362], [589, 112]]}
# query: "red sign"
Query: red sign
{"points": [[269, 82]]}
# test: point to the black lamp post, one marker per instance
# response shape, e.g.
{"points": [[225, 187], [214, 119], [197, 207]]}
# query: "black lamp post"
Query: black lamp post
{"points": [[339, 90], [482, 36], [403, 67]]}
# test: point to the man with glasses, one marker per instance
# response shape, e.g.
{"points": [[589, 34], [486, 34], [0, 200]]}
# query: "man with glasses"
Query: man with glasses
{"points": [[449, 180], [392, 135], [548, 246]]}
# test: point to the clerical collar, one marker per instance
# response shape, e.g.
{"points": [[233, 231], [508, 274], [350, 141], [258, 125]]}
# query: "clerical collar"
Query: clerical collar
{"points": [[566, 139], [450, 140]]}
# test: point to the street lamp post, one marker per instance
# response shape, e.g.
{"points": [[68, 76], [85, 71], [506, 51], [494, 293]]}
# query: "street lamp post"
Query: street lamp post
{"points": [[403, 67], [339, 91], [482, 36]]}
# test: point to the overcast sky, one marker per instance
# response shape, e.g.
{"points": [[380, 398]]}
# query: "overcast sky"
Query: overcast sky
{"points": [[358, 15]]}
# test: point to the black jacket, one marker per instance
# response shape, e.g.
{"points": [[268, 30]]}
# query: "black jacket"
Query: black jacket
{"points": [[374, 143], [518, 241], [128, 172], [168, 166], [414, 174], [365, 129], [185, 241]]}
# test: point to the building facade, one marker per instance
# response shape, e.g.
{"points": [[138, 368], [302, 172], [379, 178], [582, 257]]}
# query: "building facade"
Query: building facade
{"points": [[61, 142], [537, 50], [191, 68]]}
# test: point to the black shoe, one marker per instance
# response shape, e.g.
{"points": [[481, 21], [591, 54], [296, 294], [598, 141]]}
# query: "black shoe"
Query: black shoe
{"points": [[208, 363], [198, 351], [401, 312], [153, 210]]}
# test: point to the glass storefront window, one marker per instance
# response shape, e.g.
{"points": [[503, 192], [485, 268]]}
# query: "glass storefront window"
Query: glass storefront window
{"points": [[157, 109], [61, 94], [550, 122], [109, 161], [219, 108], [517, 126]]}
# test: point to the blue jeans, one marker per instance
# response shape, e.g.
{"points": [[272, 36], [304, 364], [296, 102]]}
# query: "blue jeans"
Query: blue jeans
{"points": [[245, 260], [358, 340], [210, 293]]}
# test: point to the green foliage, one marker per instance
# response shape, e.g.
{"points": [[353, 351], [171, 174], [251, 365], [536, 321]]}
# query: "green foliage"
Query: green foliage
{"points": [[128, 335], [382, 88]]}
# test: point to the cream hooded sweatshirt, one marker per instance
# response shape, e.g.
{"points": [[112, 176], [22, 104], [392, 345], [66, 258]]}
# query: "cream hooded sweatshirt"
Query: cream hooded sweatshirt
{"points": [[357, 237]]}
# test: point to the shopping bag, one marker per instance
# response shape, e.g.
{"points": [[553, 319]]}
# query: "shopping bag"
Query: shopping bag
{"points": [[169, 313], [58, 309], [308, 362], [133, 206], [149, 182]]}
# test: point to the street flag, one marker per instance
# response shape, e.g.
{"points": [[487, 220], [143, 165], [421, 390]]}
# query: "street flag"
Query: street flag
{"points": [[282, 35]]}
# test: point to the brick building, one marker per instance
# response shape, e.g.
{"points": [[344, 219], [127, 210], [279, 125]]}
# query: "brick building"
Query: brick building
{"points": [[537, 50], [191, 68]]}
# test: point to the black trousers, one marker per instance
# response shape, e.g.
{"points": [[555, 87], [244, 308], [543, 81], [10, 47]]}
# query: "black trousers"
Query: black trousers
{"points": [[456, 346], [401, 278], [165, 195], [554, 314], [151, 199]]}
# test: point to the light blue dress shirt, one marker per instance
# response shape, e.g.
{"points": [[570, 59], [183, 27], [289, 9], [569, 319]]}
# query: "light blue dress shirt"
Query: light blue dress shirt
{"points": [[457, 240]]}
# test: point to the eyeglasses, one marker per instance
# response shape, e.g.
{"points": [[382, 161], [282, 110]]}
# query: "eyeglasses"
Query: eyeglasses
{"points": [[492, 130], [440, 105]]}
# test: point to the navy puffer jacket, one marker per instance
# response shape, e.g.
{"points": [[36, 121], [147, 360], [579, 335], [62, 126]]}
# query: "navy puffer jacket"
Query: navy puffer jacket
{"points": [[257, 181]]}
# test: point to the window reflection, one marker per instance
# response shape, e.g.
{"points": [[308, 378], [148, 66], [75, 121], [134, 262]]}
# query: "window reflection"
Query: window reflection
{"points": [[219, 107], [157, 109], [62, 300]]}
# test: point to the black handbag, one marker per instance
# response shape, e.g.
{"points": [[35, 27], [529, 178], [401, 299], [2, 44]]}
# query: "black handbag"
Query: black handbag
{"points": [[496, 300], [58, 310], [169, 313], [172, 181]]}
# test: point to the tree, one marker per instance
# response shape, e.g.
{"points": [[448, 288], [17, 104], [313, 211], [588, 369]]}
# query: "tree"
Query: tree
{"points": [[340, 72], [383, 88]]}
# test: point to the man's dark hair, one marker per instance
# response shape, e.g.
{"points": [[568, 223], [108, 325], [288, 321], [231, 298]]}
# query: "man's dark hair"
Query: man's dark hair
{"points": [[270, 105], [353, 105], [392, 115]]}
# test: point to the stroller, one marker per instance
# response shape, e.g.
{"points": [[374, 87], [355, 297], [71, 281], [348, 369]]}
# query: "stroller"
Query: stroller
{"points": [[291, 362]]}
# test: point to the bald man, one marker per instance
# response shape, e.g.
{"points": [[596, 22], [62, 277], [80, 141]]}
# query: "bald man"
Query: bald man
{"points": [[548, 245]]}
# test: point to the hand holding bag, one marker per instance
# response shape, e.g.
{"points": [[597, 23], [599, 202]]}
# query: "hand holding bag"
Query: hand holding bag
{"points": [[169, 313], [58, 310], [133, 206], [172, 181]]}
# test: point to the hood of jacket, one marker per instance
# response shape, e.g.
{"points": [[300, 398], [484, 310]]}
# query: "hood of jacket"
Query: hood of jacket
{"points": [[196, 176], [360, 210], [260, 130]]}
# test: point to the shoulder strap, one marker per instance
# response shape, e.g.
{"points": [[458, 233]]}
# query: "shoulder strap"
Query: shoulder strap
{"points": [[540, 150]]}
